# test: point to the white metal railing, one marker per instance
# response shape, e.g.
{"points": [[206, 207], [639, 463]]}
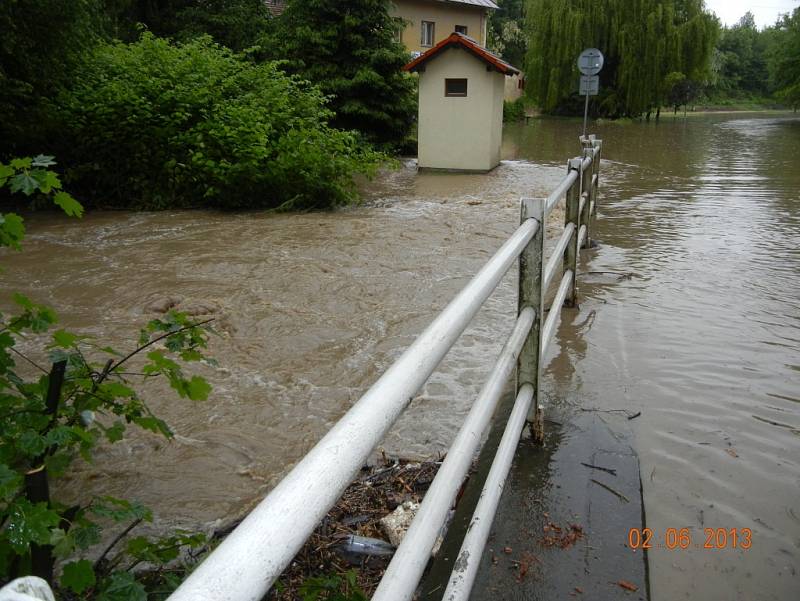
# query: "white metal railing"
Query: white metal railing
{"points": [[250, 559]]}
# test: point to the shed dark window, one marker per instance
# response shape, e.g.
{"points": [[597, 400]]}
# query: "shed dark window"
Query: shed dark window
{"points": [[455, 87]]}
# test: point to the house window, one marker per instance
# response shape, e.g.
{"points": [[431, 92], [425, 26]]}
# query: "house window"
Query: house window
{"points": [[455, 87], [427, 33], [461, 29]]}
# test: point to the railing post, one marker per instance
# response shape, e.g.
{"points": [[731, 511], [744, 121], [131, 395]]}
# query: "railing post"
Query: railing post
{"points": [[531, 295], [572, 215], [598, 146], [586, 195]]}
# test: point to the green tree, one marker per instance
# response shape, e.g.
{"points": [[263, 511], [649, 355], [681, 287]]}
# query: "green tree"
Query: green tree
{"points": [[41, 43], [642, 40], [350, 50], [236, 24], [783, 58], [740, 64], [506, 32]]}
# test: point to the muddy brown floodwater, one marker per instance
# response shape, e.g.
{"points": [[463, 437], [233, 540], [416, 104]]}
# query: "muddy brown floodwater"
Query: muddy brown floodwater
{"points": [[690, 313]]}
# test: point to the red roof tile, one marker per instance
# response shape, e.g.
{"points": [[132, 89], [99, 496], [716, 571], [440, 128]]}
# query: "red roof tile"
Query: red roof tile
{"points": [[467, 43]]}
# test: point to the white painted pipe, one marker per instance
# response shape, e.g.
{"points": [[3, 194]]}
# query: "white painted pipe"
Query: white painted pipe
{"points": [[558, 255], [466, 565], [249, 560], [400, 580], [560, 190], [555, 312]]}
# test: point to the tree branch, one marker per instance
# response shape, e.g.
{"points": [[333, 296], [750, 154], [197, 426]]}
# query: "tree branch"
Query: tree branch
{"points": [[116, 540], [114, 366], [31, 361]]}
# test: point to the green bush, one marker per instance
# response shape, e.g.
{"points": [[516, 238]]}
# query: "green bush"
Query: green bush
{"points": [[513, 110], [155, 125]]}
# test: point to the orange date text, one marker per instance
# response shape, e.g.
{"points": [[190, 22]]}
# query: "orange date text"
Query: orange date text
{"points": [[682, 538]]}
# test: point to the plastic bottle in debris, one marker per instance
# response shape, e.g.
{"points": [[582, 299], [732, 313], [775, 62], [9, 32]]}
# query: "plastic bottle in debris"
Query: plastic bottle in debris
{"points": [[362, 545]]}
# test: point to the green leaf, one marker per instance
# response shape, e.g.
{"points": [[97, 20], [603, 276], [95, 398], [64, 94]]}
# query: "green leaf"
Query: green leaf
{"points": [[31, 443], [120, 510], [115, 432], [24, 183], [86, 534], [160, 362], [78, 576], [42, 160], [42, 319], [65, 339], [23, 163], [191, 355], [59, 436], [71, 206], [153, 424], [12, 230], [22, 300], [122, 586], [117, 390], [63, 543], [5, 172], [49, 182], [29, 523], [198, 389], [10, 481], [57, 464]]}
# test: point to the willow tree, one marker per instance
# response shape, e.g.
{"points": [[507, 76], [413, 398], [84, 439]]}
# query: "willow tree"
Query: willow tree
{"points": [[643, 41]]}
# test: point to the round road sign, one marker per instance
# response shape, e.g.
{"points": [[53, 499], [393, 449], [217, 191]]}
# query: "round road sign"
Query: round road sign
{"points": [[590, 61]]}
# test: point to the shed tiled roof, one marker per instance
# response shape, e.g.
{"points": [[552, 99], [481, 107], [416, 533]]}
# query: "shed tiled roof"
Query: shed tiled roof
{"points": [[459, 40], [483, 3]]}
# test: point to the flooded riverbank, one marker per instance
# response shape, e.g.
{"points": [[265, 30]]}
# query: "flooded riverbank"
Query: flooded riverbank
{"points": [[689, 313]]}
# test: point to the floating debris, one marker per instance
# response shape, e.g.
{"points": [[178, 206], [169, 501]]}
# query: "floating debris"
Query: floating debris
{"points": [[351, 535], [627, 586], [564, 538]]}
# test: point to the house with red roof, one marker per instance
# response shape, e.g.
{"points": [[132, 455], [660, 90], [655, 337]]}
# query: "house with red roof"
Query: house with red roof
{"points": [[428, 22]]}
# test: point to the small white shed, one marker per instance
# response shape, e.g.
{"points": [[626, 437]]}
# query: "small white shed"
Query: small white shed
{"points": [[461, 90]]}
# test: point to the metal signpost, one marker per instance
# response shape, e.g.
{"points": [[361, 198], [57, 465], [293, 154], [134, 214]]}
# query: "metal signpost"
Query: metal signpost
{"points": [[590, 62]]}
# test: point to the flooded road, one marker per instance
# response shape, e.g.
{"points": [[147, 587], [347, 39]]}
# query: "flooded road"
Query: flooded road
{"points": [[690, 313]]}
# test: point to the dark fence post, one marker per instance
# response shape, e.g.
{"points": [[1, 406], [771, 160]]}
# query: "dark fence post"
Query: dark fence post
{"points": [[37, 488]]}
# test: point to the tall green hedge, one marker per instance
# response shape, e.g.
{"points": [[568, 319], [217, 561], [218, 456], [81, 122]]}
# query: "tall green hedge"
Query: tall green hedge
{"points": [[155, 124]]}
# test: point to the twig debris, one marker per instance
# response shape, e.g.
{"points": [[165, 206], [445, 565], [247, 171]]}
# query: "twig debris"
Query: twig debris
{"points": [[611, 490]]}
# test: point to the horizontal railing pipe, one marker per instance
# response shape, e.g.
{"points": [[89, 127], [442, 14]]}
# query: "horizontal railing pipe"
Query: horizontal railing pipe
{"points": [[400, 580], [469, 557], [559, 192], [248, 561], [556, 257], [555, 312]]}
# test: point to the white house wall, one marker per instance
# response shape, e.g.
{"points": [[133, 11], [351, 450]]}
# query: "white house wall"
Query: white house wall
{"points": [[461, 133]]}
